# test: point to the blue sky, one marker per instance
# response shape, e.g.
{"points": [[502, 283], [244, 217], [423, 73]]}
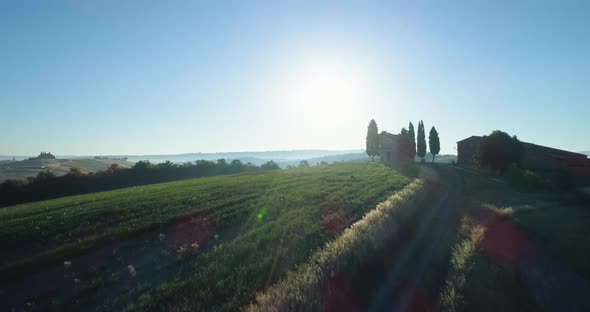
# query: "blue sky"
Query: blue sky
{"points": [[155, 77]]}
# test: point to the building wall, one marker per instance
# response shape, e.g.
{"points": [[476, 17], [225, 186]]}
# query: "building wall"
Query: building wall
{"points": [[542, 157], [535, 157], [388, 148], [466, 150], [391, 150], [404, 153]]}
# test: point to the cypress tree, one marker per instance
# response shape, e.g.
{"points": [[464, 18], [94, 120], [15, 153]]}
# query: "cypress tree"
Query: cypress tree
{"points": [[412, 135], [421, 144], [372, 140], [433, 143]]}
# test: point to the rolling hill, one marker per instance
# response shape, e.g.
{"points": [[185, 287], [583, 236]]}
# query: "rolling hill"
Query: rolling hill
{"points": [[23, 169], [207, 243]]}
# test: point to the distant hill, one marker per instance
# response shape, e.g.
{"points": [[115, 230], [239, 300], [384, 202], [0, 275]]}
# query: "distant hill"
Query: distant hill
{"points": [[23, 169], [9, 158], [277, 156], [349, 157], [445, 158], [284, 163], [283, 158], [31, 167]]}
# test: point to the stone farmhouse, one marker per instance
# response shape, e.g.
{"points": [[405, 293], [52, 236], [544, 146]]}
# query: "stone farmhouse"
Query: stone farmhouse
{"points": [[535, 157], [393, 148]]}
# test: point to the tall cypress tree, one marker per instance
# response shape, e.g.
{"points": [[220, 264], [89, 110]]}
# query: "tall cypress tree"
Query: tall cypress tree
{"points": [[412, 135], [421, 144], [372, 140], [433, 143]]}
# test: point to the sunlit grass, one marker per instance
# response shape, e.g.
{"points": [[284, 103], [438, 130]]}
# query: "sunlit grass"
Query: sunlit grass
{"points": [[263, 225], [471, 234], [505, 212], [300, 290]]}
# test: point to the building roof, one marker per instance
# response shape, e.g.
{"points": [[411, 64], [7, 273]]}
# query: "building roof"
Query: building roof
{"points": [[549, 150], [385, 133], [471, 138], [388, 137], [554, 151]]}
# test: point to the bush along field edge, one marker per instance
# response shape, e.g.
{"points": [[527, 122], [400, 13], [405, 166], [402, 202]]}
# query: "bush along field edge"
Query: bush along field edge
{"points": [[467, 254], [301, 288], [470, 236]]}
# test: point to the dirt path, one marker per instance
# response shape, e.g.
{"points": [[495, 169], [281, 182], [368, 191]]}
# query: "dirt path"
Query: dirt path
{"points": [[413, 279], [407, 275]]}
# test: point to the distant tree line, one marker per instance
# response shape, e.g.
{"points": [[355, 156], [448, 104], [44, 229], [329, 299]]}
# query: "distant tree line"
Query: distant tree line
{"points": [[110, 158], [46, 185]]}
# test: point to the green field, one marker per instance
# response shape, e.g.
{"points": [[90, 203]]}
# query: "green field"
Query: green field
{"points": [[466, 240], [210, 242]]}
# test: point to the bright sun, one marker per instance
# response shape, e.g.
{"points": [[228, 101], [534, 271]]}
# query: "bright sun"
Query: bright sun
{"points": [[324, 91]]}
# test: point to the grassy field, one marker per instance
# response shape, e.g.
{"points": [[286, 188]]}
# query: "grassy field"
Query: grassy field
{"points": [[473, 242], [518, 250], [193, 244], [315, 284], [478, 244]]}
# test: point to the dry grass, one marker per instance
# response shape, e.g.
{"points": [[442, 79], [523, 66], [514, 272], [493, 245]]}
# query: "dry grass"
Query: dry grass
{"points": [[451, 298], [504, 212], [300, 290]]}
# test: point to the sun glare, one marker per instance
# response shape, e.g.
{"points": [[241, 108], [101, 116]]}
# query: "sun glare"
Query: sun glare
{"points": [[323, 91]]}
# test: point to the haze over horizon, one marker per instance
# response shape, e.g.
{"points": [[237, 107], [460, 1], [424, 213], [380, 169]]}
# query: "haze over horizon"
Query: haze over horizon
{"points": [[139, 78], [320, 151]]}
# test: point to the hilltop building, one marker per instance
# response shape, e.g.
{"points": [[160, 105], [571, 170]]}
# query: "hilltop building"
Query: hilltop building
{"points": [[393, 148], [535, 157], [43, 155]]}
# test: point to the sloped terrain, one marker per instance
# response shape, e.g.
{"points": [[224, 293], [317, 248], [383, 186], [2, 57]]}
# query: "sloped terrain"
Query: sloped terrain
{"points": [[208, 243]]}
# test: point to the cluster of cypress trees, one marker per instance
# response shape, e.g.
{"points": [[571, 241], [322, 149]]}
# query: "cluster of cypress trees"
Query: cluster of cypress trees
{"points": [[418, 144]]}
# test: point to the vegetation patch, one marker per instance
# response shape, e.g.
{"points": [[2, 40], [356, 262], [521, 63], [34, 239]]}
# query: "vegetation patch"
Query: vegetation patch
{"points": [[471, 235], [47, 185], [207, 243], [304, 288], [530, 256], [335, 217]]}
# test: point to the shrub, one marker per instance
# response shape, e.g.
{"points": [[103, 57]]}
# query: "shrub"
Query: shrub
{"points": [[304, 163], [270, 165], [560, 179], [531, 180], [498, 151], [554, 180]]}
